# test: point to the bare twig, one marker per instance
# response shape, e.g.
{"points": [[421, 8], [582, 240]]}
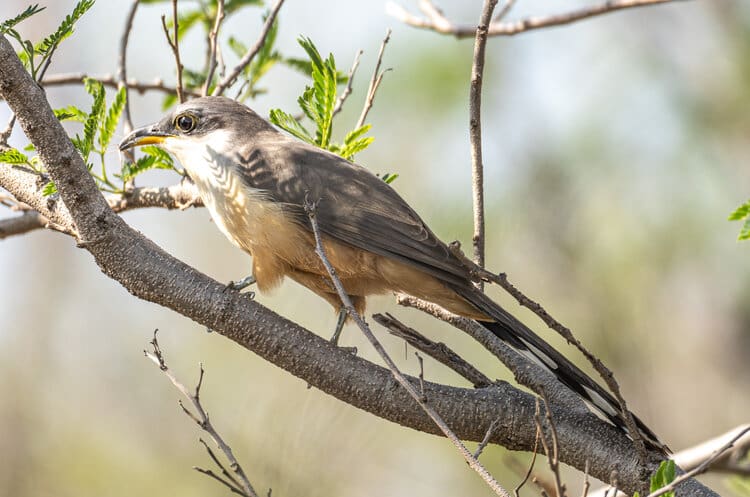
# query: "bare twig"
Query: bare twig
{"points": [[475, 130], [377, 78], [122, 66], [437, 350], [586, 482], [213, 46], [486, 440], [174, 44], [349, 80], [703, 466], [201, 418], [310, 208], [230, 78], [504, 10], [112, 82], [180, 196], [531, 464], [5, 134], [553, 454], [442, 25], [606, 374]]}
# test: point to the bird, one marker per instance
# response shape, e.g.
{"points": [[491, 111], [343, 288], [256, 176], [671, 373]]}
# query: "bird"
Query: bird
{"points": [[256, 183]]}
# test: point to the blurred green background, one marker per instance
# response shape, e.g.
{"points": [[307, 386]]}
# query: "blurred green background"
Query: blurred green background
{"points": [[614, 149]]}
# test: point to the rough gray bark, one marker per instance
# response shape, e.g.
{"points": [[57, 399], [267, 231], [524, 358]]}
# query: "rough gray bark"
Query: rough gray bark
{"points": [[149, 273]]}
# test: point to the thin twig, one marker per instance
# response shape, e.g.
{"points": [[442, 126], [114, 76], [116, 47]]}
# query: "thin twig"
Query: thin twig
{"points": [[122, 66], [504, 10], [586, 482], [377, 78], [230, 78], [201, 418], [437, 350], [175, 46], [310, 208], [5, 134], [702, 467], [112, 82], [349, 80], [531, 464], [221, 480], [475, 130], [212, 46], [606, 374], [552, 453], [442, 25], [486, 440]]}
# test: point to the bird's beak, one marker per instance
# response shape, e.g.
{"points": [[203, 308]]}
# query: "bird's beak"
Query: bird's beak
{"points": [[148, 135]]}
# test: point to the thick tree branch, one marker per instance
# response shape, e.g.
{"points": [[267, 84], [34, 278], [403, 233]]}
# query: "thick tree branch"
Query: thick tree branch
{"points": [[435, 20], [149, 273]]}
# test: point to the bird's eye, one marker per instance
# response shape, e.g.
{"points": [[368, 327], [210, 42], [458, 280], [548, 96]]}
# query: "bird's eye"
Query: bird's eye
{"points": [[185, 122]]}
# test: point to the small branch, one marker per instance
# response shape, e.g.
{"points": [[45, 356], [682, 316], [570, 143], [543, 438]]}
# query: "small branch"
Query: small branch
{"points": [[703, 466], [112, 82], [440, 24], [180, 196], [28, 221], [553, 452], [174, 44], [213, 46], [531, 464], [230, 78], [399, 377], [122, 66], [5, 134], [349, 80], [504, 10], [487, 436], [377, 78], [475, 130], [202, 418], [606, 374], [437, 350]]}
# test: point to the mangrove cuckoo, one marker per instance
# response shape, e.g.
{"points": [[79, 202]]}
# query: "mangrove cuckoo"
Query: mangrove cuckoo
{"points": [[255, 182]]}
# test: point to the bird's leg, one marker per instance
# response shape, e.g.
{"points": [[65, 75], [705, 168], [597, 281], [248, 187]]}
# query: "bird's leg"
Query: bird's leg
{"points": [[340, 322], [239, 286], [339, 326]]}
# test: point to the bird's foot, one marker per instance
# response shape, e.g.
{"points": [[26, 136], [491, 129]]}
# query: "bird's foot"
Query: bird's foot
{"points": [[340, 322], [239, 286]]}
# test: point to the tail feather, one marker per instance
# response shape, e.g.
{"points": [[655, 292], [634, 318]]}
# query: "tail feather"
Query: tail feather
{"points": [[522, 339]]}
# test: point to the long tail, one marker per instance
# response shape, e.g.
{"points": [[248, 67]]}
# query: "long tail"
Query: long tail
{"points": [[522, 339]]}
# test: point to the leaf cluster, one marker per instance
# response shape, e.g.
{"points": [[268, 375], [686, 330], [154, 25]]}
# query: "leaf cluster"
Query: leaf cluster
{"points": [[36, 57], [318, 104], [742, 213]]}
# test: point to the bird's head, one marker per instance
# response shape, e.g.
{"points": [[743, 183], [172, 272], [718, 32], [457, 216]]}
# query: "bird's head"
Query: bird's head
{"points": [[216, 122]]}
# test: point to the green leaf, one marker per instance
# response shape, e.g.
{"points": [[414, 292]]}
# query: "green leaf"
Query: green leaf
{"points": [[663, 477], [91, 125], [109, 125], [389, 177], [155, 158], [163, 158], [70, 113], [740, 212], [49, 189], [13, 156], [745, 231], [288, 123], [355, 143], [65, 29], [8, 24], [321, 101]]}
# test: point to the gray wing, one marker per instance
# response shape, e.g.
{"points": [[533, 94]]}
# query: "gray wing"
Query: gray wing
{"points": [[354, 205]]}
